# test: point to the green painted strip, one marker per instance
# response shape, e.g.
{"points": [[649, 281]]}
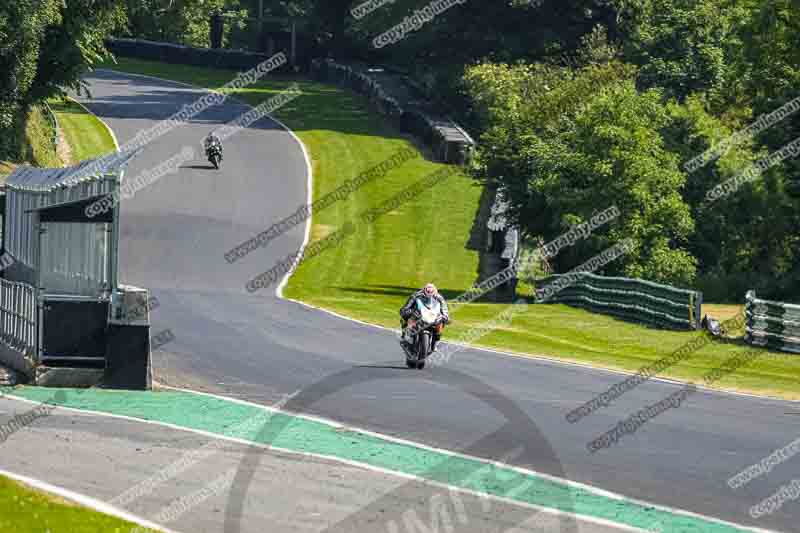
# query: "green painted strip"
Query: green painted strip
{"points": [[253, 424]]}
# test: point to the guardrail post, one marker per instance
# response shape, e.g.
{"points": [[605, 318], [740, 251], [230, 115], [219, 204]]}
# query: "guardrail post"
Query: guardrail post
{"points": [[698, 313], [217, 29], [51, 117]]}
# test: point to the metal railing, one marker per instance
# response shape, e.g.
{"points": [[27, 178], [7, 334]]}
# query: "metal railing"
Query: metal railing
{"points": [[53, 120], [18, 316], [634, 300], [390, 92], [772, 324]]}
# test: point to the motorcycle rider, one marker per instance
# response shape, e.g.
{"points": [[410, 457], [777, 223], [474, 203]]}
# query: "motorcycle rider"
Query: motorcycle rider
{"points": [[210, 141], [428, 292]]}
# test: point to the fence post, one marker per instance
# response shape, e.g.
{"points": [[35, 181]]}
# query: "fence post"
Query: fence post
{"points": [[51, 117], [294, 44], [217, 29]]}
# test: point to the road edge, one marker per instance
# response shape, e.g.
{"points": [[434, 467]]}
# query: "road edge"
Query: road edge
{"points": [[103, 122]]}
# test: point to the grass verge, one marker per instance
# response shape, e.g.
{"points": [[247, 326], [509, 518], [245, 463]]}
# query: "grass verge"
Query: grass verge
{"points": [[371, 273], [83, 136], [37, 147], [86, 136], [25, 510], [40, 149]]}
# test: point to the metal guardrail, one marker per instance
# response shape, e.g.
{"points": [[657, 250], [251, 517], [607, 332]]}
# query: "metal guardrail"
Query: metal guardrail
{"points": [[391, 92], [51, 117], [631, 299], [772, 324], [18, 316]]}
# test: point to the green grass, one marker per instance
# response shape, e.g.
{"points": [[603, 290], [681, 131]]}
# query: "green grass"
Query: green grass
{"points": [[370, 275], [37, 147], [24, 510], [85, 134], [40, 150]]}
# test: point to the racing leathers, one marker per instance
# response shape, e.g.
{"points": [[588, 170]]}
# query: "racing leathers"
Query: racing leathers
{"points": [[409, 308]]}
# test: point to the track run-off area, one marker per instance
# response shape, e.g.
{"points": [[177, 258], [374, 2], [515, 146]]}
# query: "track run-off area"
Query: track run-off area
{"points": [[319, 424]]}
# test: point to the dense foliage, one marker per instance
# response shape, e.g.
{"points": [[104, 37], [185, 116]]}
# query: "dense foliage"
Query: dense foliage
{"points": [[618, 124], [45, 47], [182, 21]]}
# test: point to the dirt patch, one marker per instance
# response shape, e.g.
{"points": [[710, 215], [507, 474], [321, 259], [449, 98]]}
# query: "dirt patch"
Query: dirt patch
{"points": [[6, 168], [64, 150], [320, 231]]}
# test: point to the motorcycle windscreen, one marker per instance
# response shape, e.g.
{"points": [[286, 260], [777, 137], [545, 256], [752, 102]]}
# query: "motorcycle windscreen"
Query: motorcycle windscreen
{"points": [[429, 313]]}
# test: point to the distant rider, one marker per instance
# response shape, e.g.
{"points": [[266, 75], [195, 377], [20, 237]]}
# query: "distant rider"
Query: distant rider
{"points": [[210, 141], [425, 294]]}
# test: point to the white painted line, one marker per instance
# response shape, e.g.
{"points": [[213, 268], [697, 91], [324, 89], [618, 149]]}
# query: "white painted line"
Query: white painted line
{"points": [[306, 157], [309, 202], [343, 317], [337, 425], [555, 361], [365, 466], [86, 501], [525, 471]]}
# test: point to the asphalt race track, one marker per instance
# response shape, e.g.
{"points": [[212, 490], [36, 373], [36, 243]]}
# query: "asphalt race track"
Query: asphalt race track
{"points": [[121, 462], [259, 347]]}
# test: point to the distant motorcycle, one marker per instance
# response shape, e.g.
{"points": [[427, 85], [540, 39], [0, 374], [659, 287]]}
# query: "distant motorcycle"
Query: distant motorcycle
{"points": [[418, 344], [214, 154]]}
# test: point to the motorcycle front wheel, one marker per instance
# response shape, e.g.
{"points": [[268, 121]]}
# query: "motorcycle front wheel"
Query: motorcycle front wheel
{"points": [[423, 348]]}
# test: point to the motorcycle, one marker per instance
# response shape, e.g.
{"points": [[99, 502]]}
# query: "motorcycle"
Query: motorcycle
{"points": [[418, 340], [214, 154]]}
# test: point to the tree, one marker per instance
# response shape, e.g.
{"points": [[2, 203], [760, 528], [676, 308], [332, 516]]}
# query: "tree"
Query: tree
{"points": [[46, 46], [566, 145], [22, 28], [73, 45], [683, 46], [181, 21]]}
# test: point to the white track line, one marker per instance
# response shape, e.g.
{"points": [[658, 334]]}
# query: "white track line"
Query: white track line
{"points": [[525, 471], [306, 157], [348, 462], [86, 501], [309, 201], [366, 466], [555, 361]]}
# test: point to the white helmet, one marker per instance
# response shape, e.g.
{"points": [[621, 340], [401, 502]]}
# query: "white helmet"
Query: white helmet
{"points": [[429, 290]]}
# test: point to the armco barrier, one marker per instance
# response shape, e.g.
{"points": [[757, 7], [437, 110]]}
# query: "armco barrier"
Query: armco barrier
{"points": [[53, 120], [630, 299], [772, 324], [396, 97], [187, 55]]}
